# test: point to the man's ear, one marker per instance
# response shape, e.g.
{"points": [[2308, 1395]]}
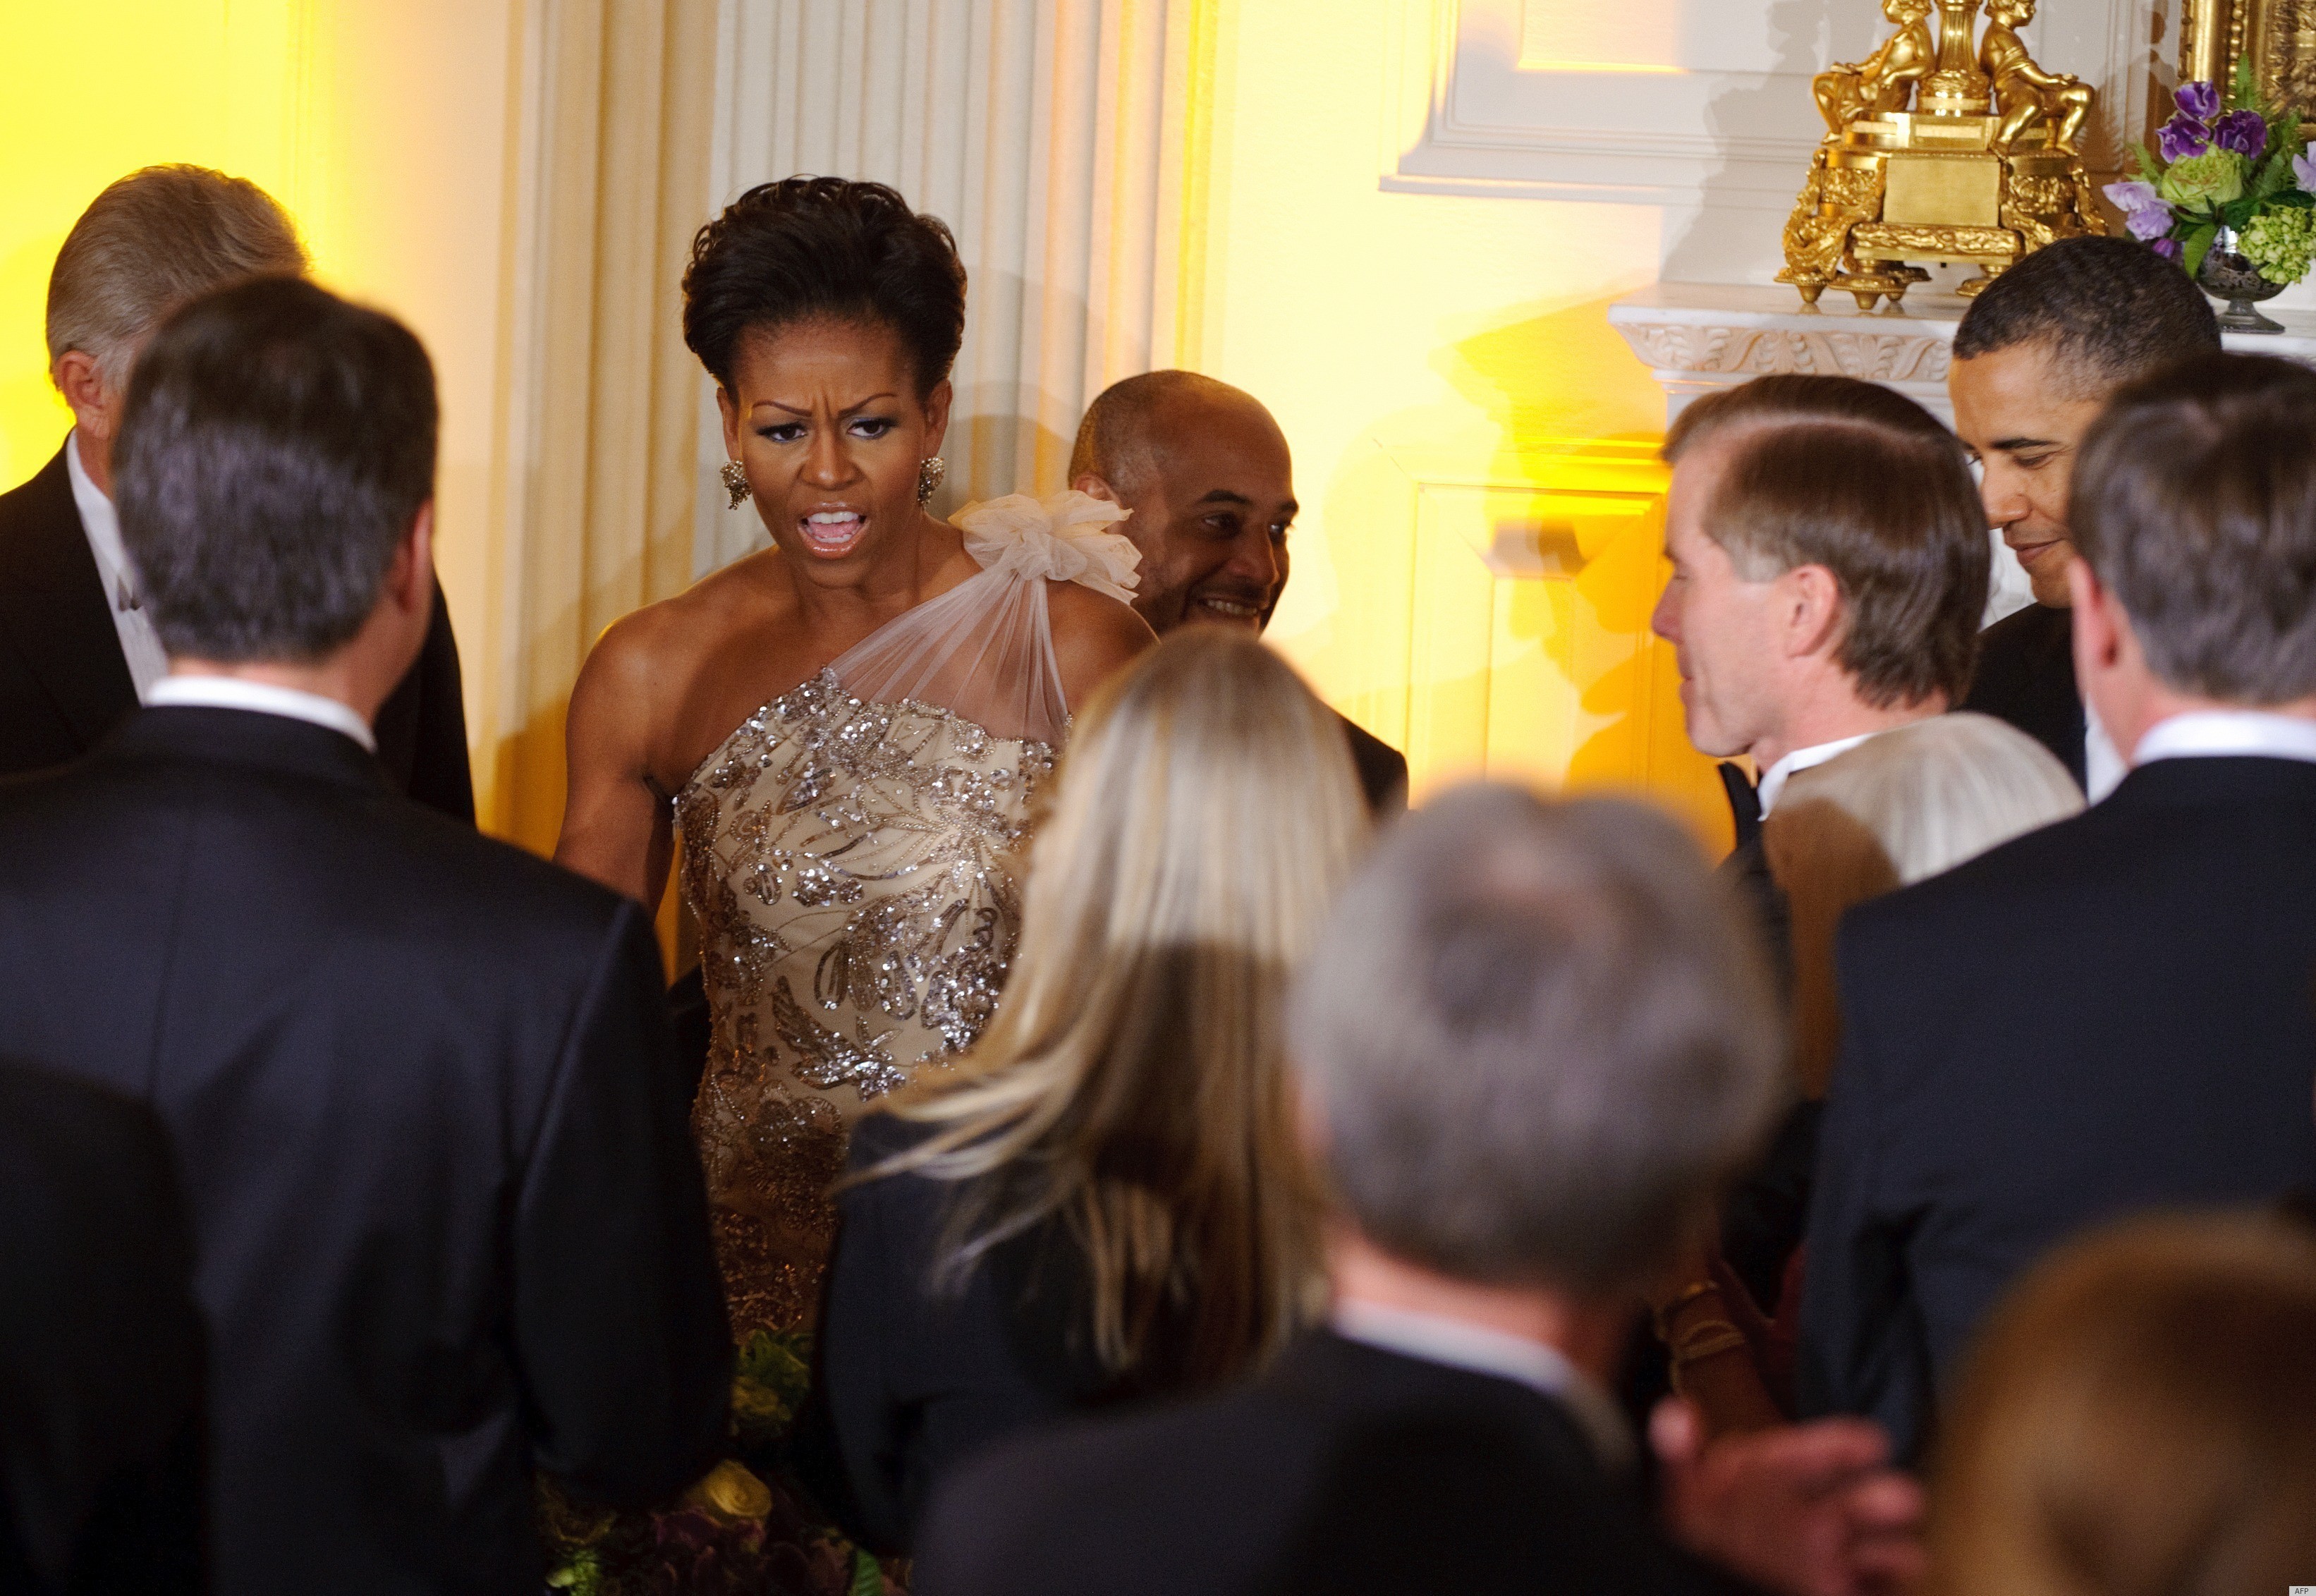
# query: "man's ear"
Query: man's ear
{"points": [[1095, 486], [81, 383], [2100, 626], [1809, 602], [410, 579]]}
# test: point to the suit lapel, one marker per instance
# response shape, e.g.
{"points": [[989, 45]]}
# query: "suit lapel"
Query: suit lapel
{"points": [[53, 608]]}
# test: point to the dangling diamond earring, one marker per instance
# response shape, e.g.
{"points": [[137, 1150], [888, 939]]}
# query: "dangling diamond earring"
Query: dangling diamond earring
{"points": [[736, 483], [929, 472]]}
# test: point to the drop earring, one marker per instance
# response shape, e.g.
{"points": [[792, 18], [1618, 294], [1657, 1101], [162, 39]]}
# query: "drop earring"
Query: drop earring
{"points": [[929, 472], [736, 483]]}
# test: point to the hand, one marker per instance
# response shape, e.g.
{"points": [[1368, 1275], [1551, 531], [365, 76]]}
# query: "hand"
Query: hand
{"points": [[1808, 1510]]}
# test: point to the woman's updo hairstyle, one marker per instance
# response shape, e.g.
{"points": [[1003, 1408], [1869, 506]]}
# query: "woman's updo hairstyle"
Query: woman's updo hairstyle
{"points": [[824, 249]]}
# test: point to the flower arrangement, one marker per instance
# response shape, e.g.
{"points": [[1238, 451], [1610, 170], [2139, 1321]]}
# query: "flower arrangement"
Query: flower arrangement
{"points": [[2235, 174], [743, 1529]]}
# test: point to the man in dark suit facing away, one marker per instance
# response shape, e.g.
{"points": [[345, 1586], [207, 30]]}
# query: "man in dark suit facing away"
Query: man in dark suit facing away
{"points": [[447, 1222], [78, 650], [1529, 1046], [101, 1377], [2035, 360], [2112, 1013]]}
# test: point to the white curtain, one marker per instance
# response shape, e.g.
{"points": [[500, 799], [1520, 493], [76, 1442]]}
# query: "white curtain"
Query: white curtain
{"points": [[1057, 137]]}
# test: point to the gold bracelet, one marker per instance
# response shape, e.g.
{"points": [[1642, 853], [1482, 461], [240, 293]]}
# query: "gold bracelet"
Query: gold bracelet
{"points": [[1707, 1339], [1679, 1300]]}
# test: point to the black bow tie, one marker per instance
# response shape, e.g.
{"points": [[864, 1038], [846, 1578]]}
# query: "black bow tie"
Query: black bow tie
{"points": [[1744, 800]]}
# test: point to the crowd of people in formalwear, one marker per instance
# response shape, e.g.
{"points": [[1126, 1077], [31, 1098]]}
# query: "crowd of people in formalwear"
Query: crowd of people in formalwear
{"points": [[1111, 1144]]}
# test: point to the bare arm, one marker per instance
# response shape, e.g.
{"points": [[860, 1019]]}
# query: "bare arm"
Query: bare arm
{"points": [[616, 825]]}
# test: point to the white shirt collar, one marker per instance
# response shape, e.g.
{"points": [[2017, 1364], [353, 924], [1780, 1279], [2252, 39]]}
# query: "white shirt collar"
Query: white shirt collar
{"points": [[1461, 1345], [98, 519], [1774, 779], [235, 692], [132, 623], [2206, 734]]}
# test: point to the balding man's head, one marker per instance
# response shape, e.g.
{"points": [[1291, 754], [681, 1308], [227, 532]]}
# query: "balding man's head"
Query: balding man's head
{"points": [[1206, 472]]}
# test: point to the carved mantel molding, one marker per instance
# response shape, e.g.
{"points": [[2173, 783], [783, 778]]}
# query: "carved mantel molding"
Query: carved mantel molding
{"points": [[1695, 338]]}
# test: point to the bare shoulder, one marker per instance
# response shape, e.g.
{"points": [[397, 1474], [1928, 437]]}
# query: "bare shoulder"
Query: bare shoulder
{"points": [[641, 672], [1094, 637]]}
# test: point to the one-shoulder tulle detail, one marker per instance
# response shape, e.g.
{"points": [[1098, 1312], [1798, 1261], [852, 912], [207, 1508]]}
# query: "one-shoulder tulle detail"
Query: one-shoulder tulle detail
{"points": [[850, 854]]}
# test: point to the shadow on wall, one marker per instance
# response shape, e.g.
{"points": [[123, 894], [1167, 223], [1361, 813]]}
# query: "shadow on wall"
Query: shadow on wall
{"points": [[1807, 36], [1490, 565]]}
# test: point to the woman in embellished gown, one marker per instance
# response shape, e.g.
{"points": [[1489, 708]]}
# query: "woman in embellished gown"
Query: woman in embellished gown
{"points": [[848, 730]]}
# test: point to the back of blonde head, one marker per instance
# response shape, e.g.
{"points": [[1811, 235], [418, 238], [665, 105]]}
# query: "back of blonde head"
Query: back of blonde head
{"points": [[2140, 1420], [1132, 1085], [1900, 807]]}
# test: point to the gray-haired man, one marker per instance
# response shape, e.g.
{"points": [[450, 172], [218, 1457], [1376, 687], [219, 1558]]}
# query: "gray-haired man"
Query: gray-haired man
{"points": [[78, 647], [1531, 1046]]}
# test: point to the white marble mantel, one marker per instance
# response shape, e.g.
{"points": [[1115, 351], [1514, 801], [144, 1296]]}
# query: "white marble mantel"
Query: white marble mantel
{"points": [[1696, 337]]}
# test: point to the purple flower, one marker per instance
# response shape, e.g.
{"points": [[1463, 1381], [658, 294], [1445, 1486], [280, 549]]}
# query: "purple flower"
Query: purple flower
{"points": [[2200, 99], [2169, 249], [2242, 131], [2303, 172], [2143, 211], [2182, 137]]}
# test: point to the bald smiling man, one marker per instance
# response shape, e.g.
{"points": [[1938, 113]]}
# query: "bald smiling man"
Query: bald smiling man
{"points": [[1207, 473]]}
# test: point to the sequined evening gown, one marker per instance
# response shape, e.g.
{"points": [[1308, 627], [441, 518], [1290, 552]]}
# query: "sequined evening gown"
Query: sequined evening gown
{"points": [[850, 853]]}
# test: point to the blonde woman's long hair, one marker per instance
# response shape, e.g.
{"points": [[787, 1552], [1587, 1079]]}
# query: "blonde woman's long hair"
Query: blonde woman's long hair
{"points": [[1132, 1086]]}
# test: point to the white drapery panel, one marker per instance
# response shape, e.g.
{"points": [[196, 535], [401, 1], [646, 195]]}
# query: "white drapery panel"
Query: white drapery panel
{"points": [[597, 417], [1058, 138]]}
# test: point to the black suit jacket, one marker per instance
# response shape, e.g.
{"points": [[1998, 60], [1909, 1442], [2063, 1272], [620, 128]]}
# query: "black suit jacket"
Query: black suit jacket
{"points": [[1382, 770], [2026, 677], [913, 1378], [64, 683], [448, 1219], [101, 1346], [1346, 1469], [2106, 1015]]}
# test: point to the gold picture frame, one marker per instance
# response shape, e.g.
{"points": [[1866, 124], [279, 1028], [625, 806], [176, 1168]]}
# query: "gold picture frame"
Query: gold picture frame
{"points": [[2279, 36]]}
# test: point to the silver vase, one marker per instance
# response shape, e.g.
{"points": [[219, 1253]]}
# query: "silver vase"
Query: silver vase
{"points": [[2226, 275]]}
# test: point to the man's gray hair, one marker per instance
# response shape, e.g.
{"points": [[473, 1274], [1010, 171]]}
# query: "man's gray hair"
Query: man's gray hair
{"points": [[149, 243], [1538, 1037]]}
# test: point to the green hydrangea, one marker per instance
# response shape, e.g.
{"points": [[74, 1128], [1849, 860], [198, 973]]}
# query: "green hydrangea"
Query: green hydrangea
{"points": [[2281, 243], [2213, 178]]}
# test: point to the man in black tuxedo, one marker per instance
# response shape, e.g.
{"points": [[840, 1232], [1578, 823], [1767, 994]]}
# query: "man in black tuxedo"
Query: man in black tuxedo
{"points": [[448, 1221], [1529, 1044], [1206, 472], [2109, 1014], [78, 648], [2035, 360], [101, 1346], [1829, 569]]}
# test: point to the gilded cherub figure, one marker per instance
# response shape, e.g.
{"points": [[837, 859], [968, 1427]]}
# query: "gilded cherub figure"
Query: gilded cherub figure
{"points": [[2024, 93], [1881, 82]]}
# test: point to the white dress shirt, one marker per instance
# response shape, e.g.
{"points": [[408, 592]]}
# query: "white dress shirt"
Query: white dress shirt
{"points": [[1458, 1343], [1774, 779], [2103, 767], [2215, 734], [140, 644], [232, 693]]}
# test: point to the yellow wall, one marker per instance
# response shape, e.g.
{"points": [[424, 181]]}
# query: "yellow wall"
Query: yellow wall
{"points": [[1477, 554], [1449, 386], [382, 128]]}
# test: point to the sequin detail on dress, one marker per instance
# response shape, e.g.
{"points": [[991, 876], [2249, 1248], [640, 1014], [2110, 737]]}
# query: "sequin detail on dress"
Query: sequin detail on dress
{"points": [[852, 866]]}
